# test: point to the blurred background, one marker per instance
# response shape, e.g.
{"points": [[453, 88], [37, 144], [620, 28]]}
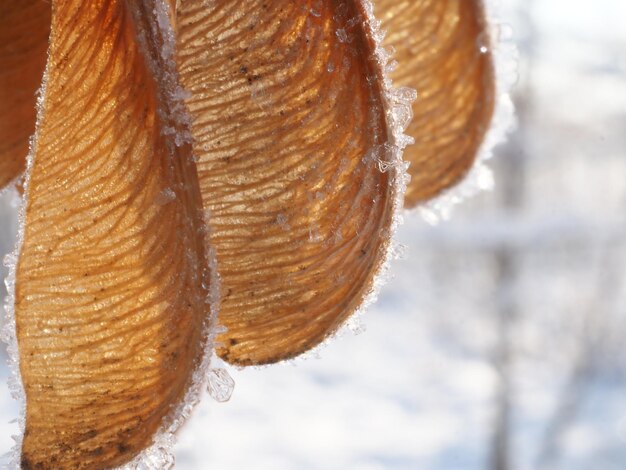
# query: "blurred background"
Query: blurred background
{"points": [[497, 342]]}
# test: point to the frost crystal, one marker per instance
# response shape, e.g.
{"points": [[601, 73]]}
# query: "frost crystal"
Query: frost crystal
{"points": [[165, 197], [342, 35], [281, 220], [221, 385]]}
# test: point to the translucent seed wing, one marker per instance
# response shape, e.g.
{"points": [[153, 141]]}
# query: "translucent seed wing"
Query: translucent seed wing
{"points": [[290, 133], [110, 299], [442, 49]]}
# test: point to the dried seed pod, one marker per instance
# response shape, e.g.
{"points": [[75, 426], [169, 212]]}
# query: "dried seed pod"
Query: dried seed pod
{"points": [[291, 130], [24, 31], [442, 49], [111, 297], [293, 146]]}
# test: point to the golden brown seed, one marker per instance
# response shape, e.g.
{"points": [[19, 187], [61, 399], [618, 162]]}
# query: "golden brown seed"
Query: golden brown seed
{"points": [[438, 47], [289, 126], [110, 304]]}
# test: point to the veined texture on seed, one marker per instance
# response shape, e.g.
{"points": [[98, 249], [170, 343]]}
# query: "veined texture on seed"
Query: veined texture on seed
{"points": [[443, 51], [24, 31], [290, 134], [111, 281]]}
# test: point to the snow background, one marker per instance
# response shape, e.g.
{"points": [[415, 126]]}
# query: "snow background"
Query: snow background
{"points": [[421, 387]]}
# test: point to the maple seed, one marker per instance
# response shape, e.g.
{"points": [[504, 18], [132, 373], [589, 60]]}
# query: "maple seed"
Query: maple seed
{"points": [[110, 299], [442, 49], [282, 143]]}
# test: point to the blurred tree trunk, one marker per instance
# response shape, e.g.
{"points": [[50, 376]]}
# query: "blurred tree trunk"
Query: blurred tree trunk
{"points": [[511, 178], [511, 173]]}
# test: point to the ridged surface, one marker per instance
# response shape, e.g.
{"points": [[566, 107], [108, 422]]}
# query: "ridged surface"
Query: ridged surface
{"points": [[24, 30], [438, 49], [289, 127], [110, 304]]}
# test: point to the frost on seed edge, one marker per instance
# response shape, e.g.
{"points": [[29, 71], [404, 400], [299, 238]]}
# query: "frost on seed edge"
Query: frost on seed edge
{"points": [[480, 177], [8, 334], [397, 104], [173, 112]]}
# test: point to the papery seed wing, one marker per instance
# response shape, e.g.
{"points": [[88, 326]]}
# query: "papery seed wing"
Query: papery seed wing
{"points": [[442, 49], [110, 305], [24, 31], [292, 140]]}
